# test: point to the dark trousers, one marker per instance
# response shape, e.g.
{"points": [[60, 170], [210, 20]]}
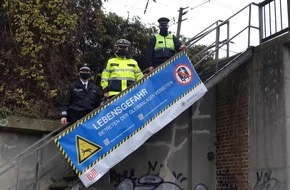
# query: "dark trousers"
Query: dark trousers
{"points": [[74, 115]]}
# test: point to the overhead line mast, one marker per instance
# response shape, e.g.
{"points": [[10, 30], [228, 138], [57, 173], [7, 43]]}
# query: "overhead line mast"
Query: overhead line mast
{"points": [[181, 13]]}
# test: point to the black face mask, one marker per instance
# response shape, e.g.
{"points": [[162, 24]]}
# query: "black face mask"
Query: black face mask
{"points": [[163, 31], [122, 52], [85, 76]]}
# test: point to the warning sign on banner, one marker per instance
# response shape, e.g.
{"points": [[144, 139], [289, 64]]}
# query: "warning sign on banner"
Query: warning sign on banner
{"points": [[107, 135]]}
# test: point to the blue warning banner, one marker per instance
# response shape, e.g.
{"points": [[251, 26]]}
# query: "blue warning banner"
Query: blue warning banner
{"points": [[110, 133]]}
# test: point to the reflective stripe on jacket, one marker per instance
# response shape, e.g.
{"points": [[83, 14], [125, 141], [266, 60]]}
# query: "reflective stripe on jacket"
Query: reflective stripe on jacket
{"points": [[119, 74]]}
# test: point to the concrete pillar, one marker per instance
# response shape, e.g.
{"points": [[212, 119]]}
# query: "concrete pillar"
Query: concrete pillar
{"points": [[286, 63]]}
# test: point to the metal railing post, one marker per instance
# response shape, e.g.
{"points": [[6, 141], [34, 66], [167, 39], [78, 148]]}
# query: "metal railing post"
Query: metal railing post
{"points": [[260, 24], [37, 168], [228, 37], [17, 172], [288, 7], [217, 40], [270, 18], [249, 25]]}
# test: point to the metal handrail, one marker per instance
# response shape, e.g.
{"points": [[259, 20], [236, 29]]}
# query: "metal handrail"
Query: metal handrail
{"points": [[33, 148], [214, 47], [207, 31]]}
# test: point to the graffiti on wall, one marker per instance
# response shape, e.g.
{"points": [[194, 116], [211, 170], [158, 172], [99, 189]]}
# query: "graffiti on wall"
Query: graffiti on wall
{"points": [[227, 181], [266, 182], [3, 122], [200, 186], [151, 180]]}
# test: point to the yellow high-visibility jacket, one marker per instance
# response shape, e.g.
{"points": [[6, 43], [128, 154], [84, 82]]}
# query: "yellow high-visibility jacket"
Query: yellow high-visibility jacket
{"points": [[164, 42], [119, 74]]}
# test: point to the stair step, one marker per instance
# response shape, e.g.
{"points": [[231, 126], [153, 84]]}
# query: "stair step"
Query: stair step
{"points": [[60, 185], [66, 181], [70, 175]]}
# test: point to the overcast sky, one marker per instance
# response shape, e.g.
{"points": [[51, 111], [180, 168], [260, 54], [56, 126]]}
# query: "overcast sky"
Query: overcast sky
{"points": [[201, 13]]}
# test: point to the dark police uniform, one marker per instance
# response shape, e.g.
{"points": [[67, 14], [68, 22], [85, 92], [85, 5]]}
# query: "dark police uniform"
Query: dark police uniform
{"points": [[162, 46], [80, 101]]}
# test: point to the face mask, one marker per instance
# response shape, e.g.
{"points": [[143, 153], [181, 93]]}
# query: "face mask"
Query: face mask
{"points": [[163, 31], [85, 76], [122, 52]]}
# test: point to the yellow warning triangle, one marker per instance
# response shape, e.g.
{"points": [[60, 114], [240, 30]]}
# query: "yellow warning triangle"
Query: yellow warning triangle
{"points": [[85, 149]]}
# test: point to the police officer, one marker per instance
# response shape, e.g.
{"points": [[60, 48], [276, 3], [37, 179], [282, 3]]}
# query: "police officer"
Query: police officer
{"points": [[121, 70], [163, 45], [82, 97]]}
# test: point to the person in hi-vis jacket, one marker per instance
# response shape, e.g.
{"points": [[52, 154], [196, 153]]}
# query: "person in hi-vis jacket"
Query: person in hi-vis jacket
{"points": [[121, 71], [163, 45]]}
